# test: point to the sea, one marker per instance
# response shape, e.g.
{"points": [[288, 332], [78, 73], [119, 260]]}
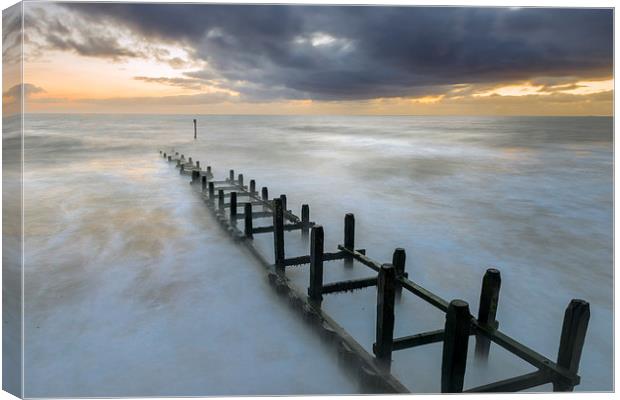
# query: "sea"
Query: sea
{"points": [[132, 289]]}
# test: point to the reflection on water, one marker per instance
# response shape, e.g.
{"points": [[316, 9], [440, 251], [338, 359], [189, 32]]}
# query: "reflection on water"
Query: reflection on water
{"points": [[118, 250]]}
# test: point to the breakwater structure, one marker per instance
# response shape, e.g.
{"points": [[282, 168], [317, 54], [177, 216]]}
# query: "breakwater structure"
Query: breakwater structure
{"points": [[225, 197]]}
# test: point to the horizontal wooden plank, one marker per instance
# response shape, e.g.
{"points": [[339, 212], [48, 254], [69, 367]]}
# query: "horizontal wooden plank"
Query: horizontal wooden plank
{"points": [[515, 384], [296, 261], [339, 255], [423, 293], [230, 188], [289, 227], [257, 214], [242, 204], [346, 286], [418, 339], [526, 354], [359, 256]]}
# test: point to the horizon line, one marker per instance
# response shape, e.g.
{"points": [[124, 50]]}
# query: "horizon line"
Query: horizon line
{"points": [[315, 115]]}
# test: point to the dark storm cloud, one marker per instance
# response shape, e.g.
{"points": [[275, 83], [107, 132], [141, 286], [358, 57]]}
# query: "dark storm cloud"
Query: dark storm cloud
{"points": [[50, 31], [12, 35], [342, 53], [104, 47]]}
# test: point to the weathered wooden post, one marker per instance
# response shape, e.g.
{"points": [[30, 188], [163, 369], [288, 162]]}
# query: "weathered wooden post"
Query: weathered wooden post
{"points": [[198, 165], [182, 169], [305, 219], [233, 207], [220, 199], [178, 162], [211, 191], [176, 153], [182, 156], [190, 160], [169, 158], [278, 234], [456, 340], [489, 298], [209, 170], [204, 183], [231, 175], [195, 176], [349, 237], [247, 211], [398, 261], [164, 154], [316, 265], [265, 197], [283, 198], [252, 187], [574, 327], [385, 315], [240, 179], [195, 130]]}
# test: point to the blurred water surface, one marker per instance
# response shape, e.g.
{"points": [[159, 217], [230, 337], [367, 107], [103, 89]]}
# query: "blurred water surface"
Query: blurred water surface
{"points": [[131, 289]]}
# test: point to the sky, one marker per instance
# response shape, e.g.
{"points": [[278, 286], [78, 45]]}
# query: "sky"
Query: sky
{"points": [[269, 59]]}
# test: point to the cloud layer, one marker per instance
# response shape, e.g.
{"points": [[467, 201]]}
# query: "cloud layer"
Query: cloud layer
{"points": [[266, 52]]}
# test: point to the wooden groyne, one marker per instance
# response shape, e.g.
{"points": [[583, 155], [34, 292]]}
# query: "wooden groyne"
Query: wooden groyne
{"points": [[225, 197]]}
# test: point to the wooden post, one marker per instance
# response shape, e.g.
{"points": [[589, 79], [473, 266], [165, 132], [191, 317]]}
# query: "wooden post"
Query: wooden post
{"points": [[233, 207], [231, 175], [576, 318], [247, 211], [195, 130], [195, 176], [265, 194], [316, 264], [182, 169], [190, 160], [198, 165], [489, 298], [305, 219], [349, 237], [182, 156], [208, 170], [164, 155], [220, 199], [385, 315], [204, 183], [252, 186], [278, 234], [240, 179], [176, 153], [169, 158], [456, 340], [283, 198], [398, 261], [211, 191]]}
